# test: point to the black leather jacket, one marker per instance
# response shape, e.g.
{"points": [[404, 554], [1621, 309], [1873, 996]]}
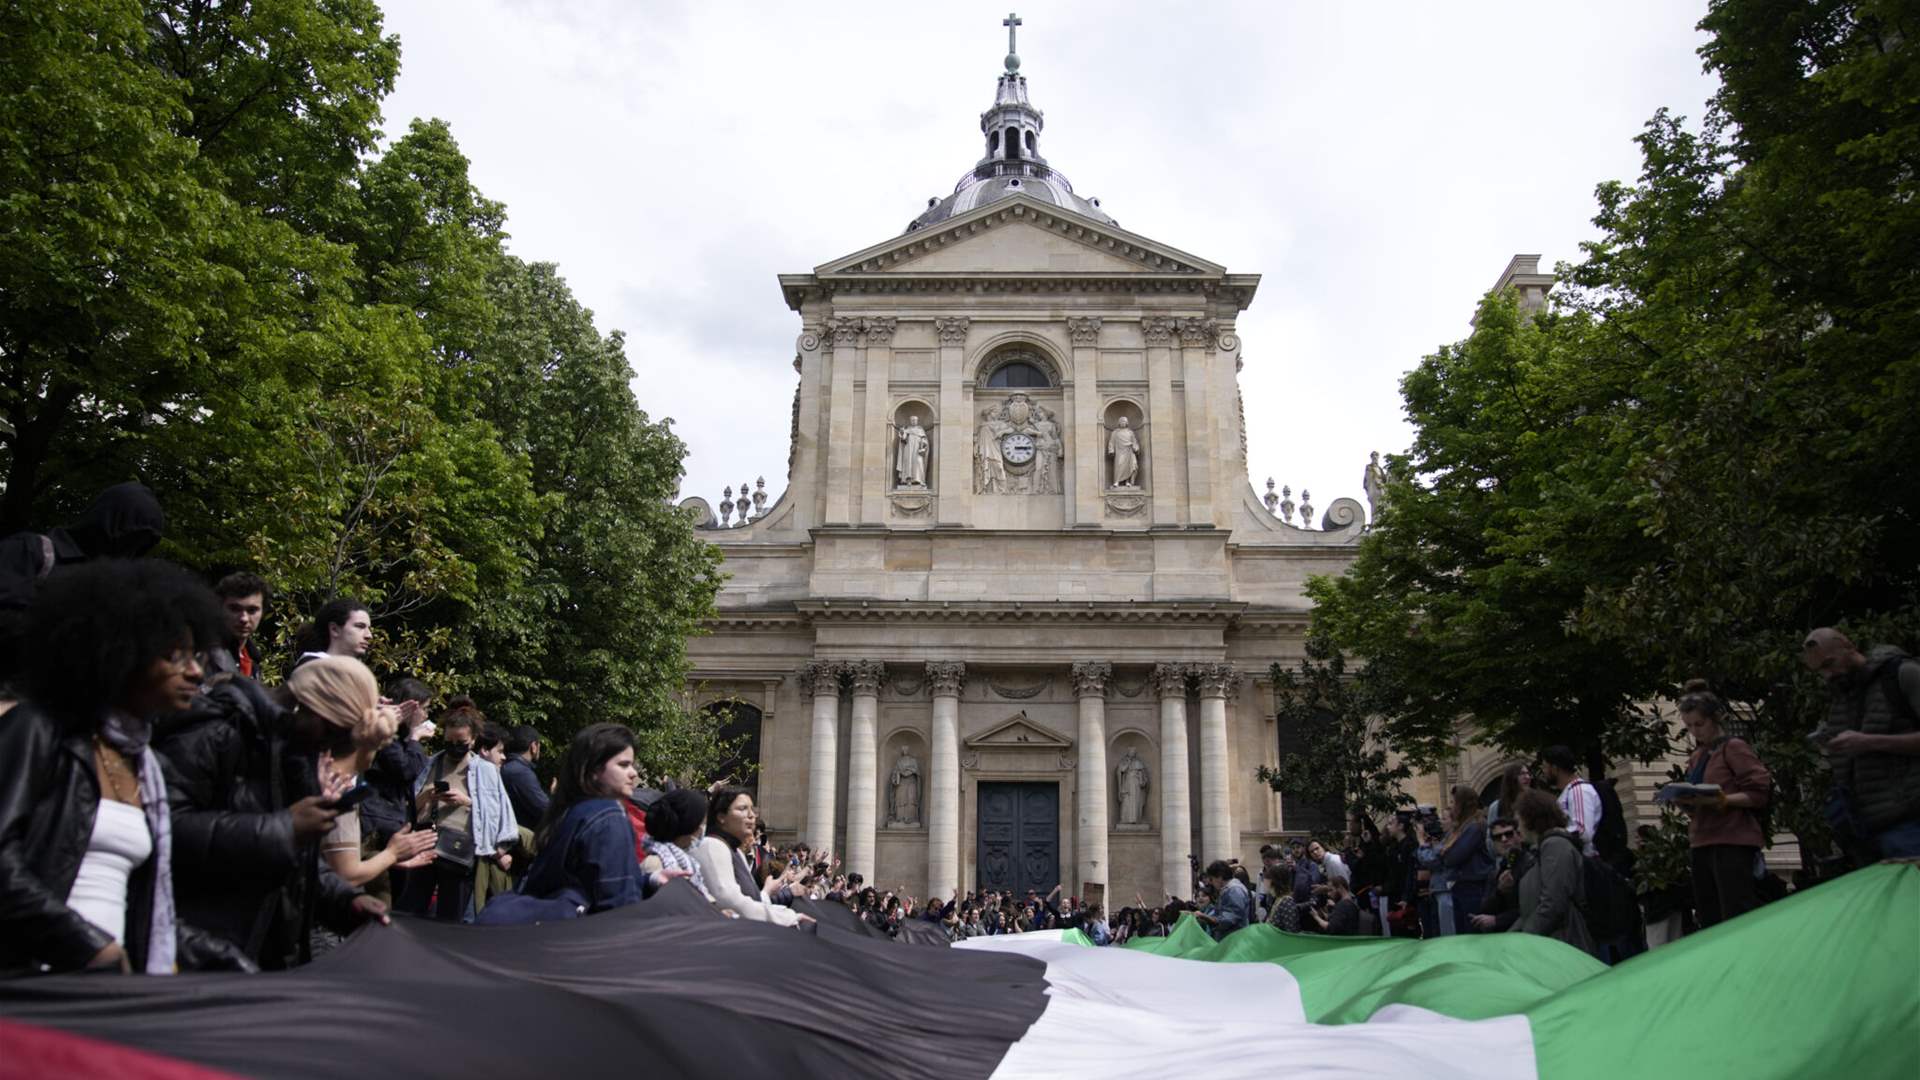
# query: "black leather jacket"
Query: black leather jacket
{"points": [[238, 870], [49, 796]]}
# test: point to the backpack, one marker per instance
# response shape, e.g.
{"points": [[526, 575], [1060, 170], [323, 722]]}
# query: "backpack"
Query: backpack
{"points": [[1610, 906]]}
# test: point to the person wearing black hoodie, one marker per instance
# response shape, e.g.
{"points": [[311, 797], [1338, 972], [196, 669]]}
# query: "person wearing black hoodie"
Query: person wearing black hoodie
{"points": [[123, 522]]}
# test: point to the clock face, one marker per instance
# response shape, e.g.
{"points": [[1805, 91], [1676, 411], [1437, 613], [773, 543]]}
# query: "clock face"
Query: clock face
{"points": [[1017, 448]]}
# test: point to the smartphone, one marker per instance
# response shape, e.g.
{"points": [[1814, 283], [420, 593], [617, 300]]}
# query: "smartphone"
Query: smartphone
{"points": [[442, 786], [352, 798]]}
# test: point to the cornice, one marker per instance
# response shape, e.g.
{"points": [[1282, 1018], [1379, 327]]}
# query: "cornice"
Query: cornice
{"points": [[1198, 612], [1022, 209], [804, 614]]}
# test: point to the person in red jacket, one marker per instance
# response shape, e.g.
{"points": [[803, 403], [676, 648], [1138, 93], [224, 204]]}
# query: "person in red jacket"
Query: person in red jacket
{"points": [[1723, 830]]}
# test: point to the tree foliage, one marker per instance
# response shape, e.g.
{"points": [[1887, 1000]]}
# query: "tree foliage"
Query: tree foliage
{"points": [[1704, 450], [320, 355]]}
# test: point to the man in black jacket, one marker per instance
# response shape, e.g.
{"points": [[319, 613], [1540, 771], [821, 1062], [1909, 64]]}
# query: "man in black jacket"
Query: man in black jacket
{"points": [[1501, 909], [523, 784], [243, 782]]}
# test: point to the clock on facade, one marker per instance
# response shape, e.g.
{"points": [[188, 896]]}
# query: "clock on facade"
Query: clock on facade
{"points": [[1016, 448]]}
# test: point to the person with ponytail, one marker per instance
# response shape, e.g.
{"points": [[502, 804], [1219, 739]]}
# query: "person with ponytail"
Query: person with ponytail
{"points": [[1723, 830]]}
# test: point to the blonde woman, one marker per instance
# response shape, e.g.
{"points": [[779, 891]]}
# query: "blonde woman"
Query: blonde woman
{"points": [[342, 692]]}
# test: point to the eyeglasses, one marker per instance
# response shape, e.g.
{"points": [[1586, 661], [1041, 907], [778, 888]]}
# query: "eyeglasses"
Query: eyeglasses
{"points": [[1504, 834]]}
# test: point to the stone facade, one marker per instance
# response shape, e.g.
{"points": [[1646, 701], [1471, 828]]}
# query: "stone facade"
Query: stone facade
{"points": [[969, 570]]}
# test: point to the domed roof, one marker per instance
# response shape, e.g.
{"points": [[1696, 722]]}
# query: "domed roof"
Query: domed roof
{"points": [[1012, 165], [974, 191]]}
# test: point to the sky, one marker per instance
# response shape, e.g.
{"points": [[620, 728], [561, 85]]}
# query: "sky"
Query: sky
{"points": [[1377, 164]]}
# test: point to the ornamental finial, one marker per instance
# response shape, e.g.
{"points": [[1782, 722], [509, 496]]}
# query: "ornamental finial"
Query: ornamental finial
{"points": [[1012, 23]]}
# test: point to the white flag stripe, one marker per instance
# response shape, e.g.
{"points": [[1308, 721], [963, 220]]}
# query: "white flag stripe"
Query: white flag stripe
{"points": [[1119, 1013]]}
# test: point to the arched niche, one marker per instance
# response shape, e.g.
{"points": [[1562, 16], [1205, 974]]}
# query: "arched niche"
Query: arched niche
{"points": [[1112, 475], [895, 812], [908, 415], [1122, 748]]}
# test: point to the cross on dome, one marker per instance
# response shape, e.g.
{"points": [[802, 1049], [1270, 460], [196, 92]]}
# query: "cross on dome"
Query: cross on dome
{"points": [[1012, 164]]}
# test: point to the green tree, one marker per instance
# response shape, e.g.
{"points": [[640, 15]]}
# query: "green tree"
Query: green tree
{"points": [[1508, 508], [618, 579], [1702, 452], [324, 362]]}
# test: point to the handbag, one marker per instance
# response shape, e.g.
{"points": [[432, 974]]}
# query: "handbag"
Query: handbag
{"points": [[454, 846]]}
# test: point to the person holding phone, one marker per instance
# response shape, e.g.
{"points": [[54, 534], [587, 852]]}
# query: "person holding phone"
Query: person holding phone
{"points": [[342, 691], [466, 800]]}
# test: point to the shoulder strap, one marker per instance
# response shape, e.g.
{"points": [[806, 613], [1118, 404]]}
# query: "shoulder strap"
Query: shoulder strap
{"points": [[1897, 702]]}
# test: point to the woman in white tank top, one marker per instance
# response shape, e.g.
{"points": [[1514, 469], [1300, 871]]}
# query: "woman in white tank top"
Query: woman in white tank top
{"points": [[83, 800]]}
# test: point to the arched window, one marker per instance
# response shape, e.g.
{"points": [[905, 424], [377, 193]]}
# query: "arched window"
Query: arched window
{"points": [[1018, 374], [993, 143], [1013, 144], [739, 723], [1030, 142]]}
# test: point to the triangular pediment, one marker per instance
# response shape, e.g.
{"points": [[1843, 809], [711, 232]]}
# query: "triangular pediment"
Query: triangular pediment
{"points": [[1018, 733], [1020, 235]]}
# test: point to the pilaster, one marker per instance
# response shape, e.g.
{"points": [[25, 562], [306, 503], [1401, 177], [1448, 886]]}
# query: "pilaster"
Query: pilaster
{"points": [[955, 464], [843, 338], [1161, 443], [876, 475], [1196, 350], [1086, 442]]}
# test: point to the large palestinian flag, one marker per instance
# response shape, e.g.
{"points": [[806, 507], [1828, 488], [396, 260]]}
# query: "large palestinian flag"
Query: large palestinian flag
{"points": [[1825, 983]]}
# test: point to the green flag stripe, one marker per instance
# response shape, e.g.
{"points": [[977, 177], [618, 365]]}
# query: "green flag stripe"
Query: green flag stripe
{"points": [[1826, 982]]}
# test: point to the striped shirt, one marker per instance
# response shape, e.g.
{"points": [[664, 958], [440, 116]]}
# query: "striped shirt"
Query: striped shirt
{"points": [[1580, 801]]}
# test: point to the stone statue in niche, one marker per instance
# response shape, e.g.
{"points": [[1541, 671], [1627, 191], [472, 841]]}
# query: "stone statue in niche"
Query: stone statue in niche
{"points": [[1123, 446], [1132, 782], [903, 790], [910, 463], [1017, 449]]}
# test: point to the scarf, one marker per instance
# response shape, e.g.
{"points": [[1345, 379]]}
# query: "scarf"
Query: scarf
{"points": [[129, 735], [672, 857], [339, 690]]}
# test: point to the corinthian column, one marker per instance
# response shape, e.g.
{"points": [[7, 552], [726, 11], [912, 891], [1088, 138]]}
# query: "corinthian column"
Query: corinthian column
{"points": [[823, 682], [863, 780], [943, 797], [1090, 820], [1217, 838], [1176, 820]]}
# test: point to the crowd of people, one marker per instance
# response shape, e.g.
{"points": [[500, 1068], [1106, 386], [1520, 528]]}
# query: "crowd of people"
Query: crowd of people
{"points": [[163, 808]]}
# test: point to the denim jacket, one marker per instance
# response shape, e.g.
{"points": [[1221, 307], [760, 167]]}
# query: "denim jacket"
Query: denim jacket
{"points": [[590, 853], [492, 817], [1233, 910]]}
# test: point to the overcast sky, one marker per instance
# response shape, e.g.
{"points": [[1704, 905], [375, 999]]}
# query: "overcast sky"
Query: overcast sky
{"points": [[1377, 163]]}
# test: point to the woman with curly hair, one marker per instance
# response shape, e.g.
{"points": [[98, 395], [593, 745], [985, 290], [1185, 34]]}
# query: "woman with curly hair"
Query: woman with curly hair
{"points": [[86, 842]]}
